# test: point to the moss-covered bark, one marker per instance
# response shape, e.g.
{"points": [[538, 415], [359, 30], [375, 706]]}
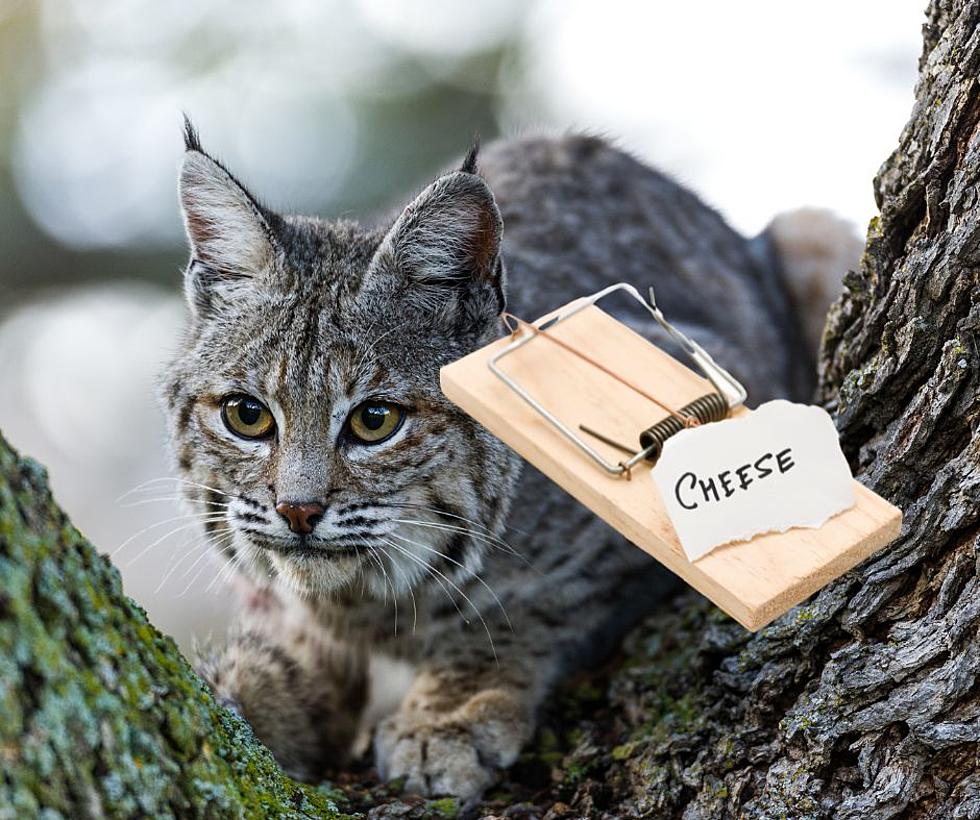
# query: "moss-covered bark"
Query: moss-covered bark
{"points": [[99, 713]]}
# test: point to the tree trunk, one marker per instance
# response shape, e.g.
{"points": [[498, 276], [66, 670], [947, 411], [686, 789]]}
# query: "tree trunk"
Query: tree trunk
{"points": [[863, 703]]}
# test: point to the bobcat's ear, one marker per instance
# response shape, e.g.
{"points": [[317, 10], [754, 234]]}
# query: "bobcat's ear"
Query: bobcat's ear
{"points": [[230, 233], [443, 252]]}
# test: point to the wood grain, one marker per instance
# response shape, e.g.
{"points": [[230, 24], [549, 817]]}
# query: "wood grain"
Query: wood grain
{"points": [[753, 581]]}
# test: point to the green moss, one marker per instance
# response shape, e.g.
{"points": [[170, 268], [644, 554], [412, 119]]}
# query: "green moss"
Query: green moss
{"points": [[858, 380], [447, 807], [578, 770], [624, 751], [804, 614], [546, 749], [99, 712], [727, 756]]}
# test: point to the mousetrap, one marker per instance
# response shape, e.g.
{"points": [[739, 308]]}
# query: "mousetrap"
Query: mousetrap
{"points": [[571, 392]]}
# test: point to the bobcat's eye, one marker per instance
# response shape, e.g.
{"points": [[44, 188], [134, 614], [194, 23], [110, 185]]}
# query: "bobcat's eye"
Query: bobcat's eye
{"points": [[247, 417], [374, 421]]}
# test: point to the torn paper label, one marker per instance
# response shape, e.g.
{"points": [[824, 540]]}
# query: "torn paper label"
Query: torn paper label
{"points": [[776, 468]]}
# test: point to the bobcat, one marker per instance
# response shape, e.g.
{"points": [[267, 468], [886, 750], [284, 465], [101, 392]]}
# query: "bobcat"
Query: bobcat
{"points": [[403, 576]]}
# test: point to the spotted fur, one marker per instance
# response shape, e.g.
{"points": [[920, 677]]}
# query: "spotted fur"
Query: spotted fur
{"points": [[434, 551]]}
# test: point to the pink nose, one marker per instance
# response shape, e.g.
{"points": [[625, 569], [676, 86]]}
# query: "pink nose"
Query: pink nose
{"points": [[302, 518]]}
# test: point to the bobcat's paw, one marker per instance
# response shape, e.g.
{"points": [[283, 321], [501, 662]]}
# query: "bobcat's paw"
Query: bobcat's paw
{"points": [[440, 759], [457, 753], [302, 696], [262, 686]]}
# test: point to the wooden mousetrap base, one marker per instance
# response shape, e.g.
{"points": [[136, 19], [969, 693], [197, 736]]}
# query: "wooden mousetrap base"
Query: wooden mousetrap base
{"points": [[753, 581]]}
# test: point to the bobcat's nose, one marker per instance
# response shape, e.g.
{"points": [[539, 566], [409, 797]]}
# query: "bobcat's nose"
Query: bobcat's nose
{"points": [[303, 517]]}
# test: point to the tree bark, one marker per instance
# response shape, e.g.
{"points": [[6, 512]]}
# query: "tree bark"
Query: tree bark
{"points": [[862, 703], [99, 713]]}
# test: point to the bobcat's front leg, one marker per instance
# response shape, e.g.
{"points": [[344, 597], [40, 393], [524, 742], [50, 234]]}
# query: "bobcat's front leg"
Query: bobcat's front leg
{"points": [[463, 719], [301, 691]]}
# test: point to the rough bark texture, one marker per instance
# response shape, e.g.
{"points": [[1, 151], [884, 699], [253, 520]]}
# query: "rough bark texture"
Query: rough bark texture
{"points": [[863, 703], [99, 713]]}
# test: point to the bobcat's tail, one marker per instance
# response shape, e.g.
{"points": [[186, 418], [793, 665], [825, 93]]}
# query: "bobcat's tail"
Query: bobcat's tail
{"points": [[815, 249]]}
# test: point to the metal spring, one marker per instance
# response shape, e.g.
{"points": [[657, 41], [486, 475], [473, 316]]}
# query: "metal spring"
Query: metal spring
{"points": [[707, 408]]}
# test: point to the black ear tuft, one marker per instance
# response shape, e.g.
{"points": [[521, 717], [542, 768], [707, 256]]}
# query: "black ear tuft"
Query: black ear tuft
{"points": [[469, 164], [232, 237], [192, 142]]}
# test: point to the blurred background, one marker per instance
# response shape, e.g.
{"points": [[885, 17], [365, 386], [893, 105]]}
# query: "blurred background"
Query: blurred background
{"points": [[341, 107]]}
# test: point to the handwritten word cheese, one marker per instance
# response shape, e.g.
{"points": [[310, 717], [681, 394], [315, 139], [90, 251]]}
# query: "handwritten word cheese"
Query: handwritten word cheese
{"points": [[691, 489]]}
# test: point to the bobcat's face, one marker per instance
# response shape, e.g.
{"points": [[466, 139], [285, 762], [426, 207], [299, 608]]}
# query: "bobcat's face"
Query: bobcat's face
{"points": [[305, 408]]}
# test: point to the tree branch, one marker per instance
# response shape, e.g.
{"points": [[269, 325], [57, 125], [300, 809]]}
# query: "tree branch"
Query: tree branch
{"points": [[99, 713]]}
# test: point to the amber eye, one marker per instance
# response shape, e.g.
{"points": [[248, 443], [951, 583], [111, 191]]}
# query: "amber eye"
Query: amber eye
{"points": [[247, 417], [374, 421]]}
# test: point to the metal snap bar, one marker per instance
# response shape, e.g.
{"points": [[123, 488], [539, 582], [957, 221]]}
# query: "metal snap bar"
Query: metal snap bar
{"points": [[707, 408]]}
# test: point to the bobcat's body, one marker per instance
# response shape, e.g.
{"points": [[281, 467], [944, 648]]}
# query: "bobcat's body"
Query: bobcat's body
{"points": [[502, 583]]}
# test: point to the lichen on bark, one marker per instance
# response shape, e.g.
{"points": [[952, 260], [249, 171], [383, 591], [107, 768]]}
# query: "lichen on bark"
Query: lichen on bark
{"points": [[99, 713]]}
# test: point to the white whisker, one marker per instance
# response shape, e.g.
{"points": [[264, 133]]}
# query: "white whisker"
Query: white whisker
{"points": [[454, 586], [171, 520], [147, 485], [493, 540], [442, 586], [194, 579], [202, 546], [472, 574], [217, 543], [408, 585], [175, 498], [448, 514], [237, 561], [193, 523], [388, 583]]}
